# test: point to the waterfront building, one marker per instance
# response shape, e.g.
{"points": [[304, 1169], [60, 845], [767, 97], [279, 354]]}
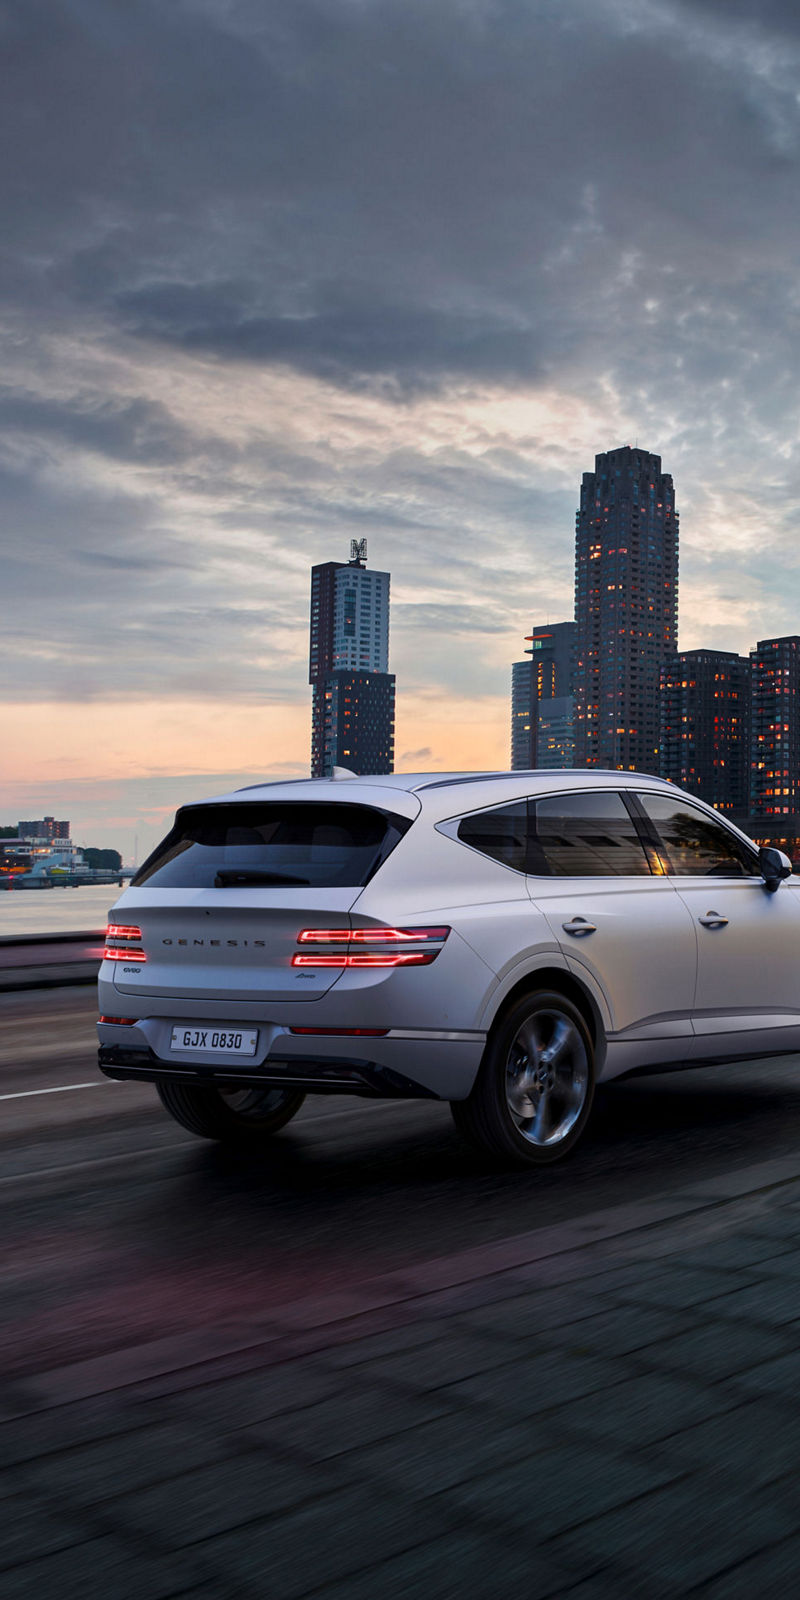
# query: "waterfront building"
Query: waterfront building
{"points": [[353, 692], [43, 831], [626, 608], [542, 707], [705, 726], [775, 759]]}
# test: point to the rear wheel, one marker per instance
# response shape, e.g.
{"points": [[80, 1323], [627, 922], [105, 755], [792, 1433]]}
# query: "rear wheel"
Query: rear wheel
{"points": [[231, 1115], [533, 1094]]}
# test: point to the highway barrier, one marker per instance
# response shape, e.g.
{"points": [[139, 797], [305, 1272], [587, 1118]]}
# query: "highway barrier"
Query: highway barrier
{"points": [[49, 960]]}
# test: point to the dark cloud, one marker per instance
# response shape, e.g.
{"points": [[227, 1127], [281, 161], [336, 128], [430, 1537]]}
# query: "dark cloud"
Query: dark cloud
{"points": [[356, 339], [769, 16], [398, 190], [411, 757], [128, 430]]}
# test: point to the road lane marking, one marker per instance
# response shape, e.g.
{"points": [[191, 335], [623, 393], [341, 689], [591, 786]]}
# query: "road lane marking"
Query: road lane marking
{"points": [[61, 1088]]}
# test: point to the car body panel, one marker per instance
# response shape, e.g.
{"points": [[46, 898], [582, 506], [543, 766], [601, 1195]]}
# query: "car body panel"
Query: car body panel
{"points": [[642, 955], [228, 943], [748, 995]]}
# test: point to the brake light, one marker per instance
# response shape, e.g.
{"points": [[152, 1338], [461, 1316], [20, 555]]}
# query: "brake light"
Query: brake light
{"points": [[370, 958], [431, 939], [371, 935], [123, 943], [119, 1022]]}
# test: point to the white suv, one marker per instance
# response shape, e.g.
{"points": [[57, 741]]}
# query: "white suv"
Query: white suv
{"points": [[498, 940]]}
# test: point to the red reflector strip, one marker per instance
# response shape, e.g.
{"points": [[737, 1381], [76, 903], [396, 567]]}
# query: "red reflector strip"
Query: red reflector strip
{"points": [[370, 958], [372, 935], [119, 1022], [110, 954], [118, 930], [344, 1033]]}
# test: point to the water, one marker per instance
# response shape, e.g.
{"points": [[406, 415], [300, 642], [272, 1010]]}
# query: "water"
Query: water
{"points": [[56, 910]]}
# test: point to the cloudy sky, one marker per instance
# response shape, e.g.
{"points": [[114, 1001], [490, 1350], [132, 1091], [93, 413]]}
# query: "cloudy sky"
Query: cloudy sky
{"points": [[274, 273]]}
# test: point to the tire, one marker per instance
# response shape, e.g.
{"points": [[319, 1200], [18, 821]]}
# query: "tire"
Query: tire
{"points": [[533, 1094], [235, 1116]]}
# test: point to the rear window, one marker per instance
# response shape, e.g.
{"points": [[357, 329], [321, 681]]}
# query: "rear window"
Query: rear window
{"points": [[252, 845]]}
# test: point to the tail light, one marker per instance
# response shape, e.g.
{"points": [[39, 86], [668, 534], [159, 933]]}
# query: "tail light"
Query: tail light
{"points": [[123, 943], [389, 947]]}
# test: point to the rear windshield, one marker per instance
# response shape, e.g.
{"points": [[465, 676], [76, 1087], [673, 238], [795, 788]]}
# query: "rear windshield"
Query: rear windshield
{"points": [[252, 845]]}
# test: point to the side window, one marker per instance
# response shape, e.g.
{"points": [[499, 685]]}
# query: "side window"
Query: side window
{"points": [[585, 835], [695, 845], [500, 833]]}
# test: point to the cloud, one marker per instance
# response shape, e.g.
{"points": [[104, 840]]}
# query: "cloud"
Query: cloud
{"points": [[410, 758], [274, 275]]}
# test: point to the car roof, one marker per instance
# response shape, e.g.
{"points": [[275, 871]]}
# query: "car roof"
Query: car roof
{"points": [[439, 794]]}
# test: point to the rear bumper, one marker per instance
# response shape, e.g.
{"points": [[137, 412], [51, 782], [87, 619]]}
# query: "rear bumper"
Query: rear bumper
{"points": [[337, 1075], [403, 1064]]}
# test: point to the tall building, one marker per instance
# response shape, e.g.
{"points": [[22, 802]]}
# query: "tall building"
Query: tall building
{"points": [[626, 608], [775, 762], [541, 699], [353, 692], [705, 726]]}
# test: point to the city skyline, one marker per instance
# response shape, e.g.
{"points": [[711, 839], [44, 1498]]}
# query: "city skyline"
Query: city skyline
{"points": [[296, 276]]}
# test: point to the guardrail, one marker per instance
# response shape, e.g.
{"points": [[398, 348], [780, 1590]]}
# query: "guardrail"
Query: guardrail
{"points": [[48, 961]]}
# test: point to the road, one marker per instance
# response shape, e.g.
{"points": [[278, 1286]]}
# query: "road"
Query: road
{"points": [[119, 1227]]}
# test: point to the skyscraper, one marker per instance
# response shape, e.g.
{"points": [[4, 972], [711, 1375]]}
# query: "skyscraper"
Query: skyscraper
{"points": [[353, 692], [775, 766], [626, 608], [705, 726], [541, 699]]}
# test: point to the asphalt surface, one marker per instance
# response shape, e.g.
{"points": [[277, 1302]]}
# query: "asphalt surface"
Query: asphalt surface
{"points": [[143, 1265], [101, 1190]]}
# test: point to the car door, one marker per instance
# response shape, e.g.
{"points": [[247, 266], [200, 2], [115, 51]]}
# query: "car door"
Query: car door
{"points": [[748, 996], [618, 919]]}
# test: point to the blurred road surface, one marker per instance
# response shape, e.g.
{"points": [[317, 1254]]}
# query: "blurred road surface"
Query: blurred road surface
{"points": [[368, 1363], [119, 1226]]}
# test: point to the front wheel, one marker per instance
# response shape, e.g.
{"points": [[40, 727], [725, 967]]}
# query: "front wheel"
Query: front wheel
{"points": [[533, 1094], [230, 1115]]}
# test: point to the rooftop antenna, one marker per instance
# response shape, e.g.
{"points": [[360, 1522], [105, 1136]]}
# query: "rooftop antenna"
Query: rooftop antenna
{"points": [[358, 552]]}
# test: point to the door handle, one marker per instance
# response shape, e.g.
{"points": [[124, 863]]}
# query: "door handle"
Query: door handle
{"points": [[578, 927], [712, 919]]}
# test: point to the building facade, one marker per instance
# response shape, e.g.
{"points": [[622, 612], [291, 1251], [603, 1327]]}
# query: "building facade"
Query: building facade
{"points": [[705, 726], [353, 723], [353, 692], [541, 700], [626, 608], [44, 830], [775, 762]]}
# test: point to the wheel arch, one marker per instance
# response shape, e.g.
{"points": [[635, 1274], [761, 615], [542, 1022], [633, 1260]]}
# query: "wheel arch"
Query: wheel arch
{"points": [[561, 981]]}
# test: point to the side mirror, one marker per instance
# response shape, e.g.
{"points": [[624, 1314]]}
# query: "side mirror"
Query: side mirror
{"points": [[775, 866]]}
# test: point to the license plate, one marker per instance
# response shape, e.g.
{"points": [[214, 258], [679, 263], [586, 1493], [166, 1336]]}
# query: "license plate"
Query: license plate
{"points": [[215, 1041]]}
